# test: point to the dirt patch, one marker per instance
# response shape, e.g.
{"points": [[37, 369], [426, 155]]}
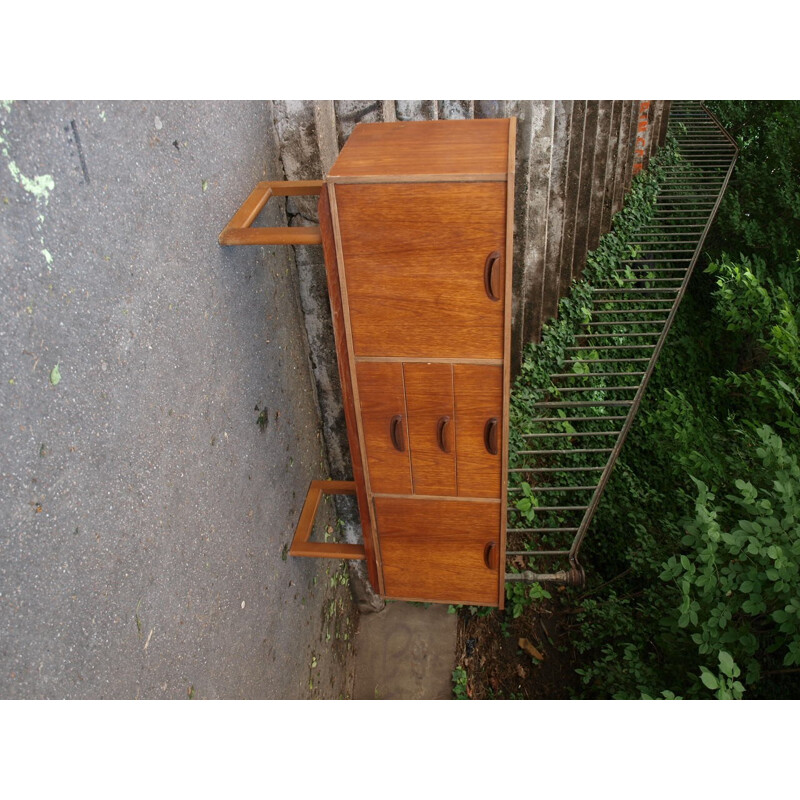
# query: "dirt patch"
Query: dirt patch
{"points": [[499, 653]]}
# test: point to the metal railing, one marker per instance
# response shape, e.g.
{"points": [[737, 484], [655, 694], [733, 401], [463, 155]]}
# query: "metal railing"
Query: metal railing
{"points": [[630, 320]]}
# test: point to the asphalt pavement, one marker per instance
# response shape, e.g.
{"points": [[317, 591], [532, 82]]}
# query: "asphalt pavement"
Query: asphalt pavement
{"points": [[158, 423]]}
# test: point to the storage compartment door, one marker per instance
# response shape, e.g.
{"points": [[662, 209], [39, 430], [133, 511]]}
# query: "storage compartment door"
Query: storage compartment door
{"points": [[424, 267], [479, 421], [442, 551], [385, 426], [431, 427]]}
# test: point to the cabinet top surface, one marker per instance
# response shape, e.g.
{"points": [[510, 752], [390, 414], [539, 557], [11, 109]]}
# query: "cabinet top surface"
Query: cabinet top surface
{"points": [[476, 148]]}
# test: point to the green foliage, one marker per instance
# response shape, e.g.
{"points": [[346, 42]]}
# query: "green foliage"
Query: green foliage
{"points": [[760, 213], [724, 683], [739, 575], [693, 555], [459, 679], [521, 595], [526, 505], [665, 695], [474, 611], [765, 317]]}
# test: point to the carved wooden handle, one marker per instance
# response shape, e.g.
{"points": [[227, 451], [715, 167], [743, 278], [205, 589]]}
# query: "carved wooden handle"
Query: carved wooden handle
{"points": [[490, 436], [440, 431], [396, 432], [490, 554], [489, 272]]}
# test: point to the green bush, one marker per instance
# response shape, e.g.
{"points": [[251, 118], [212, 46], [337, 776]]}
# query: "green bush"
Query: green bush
{"points": [[739, 574], [692, 559]]}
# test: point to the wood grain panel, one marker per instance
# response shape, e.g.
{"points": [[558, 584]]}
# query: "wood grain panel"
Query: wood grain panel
{"points": [[440, 147], [429, 398], [478, 398], [348, 402], [434, 550], [415, 259], [380, 390]]}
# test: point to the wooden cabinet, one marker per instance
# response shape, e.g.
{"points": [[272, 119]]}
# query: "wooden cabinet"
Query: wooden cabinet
{"points": [[418, 222]]}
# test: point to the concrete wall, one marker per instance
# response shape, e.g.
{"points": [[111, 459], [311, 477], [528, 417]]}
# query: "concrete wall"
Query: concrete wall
{"points": [[575, 162]]}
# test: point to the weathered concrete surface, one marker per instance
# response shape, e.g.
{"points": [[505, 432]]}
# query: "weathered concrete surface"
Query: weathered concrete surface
{"points": [[416, 109], [599, 174], [551, 281], [456, 109], [611, 165], [662, 134], [490, 109], [407, 652], [540, 190], [350, 112], [629, 160], [572, 194], [583, 211], [622, 151], [143, 510]]}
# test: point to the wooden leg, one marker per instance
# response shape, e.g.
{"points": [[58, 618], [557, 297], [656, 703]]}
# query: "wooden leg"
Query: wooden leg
{"points": [[301, 546], [238, 230]]}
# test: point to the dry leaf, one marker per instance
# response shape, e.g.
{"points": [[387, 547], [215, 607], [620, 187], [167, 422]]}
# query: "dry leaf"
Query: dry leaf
{"points": [[525, 645]]}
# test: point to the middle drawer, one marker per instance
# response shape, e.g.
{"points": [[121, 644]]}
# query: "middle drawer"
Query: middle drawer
{"points": [[432, 428]]}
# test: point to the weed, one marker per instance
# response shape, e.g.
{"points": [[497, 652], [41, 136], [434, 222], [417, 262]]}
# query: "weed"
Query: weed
{"points": [[460, 684]]}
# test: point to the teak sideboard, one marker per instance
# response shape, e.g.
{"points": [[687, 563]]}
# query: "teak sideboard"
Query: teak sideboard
{"points": [[416, 222]]}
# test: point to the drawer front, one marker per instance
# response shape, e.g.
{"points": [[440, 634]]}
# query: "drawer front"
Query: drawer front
{"points": [[423, 264], [431, 427], [385, 426], [437, 550], [479, 420]]}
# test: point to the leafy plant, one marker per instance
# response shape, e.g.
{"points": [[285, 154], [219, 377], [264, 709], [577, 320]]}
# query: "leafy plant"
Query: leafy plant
{"points": [[520, 595], [724, 683], [693, 556], [739, 578], [460, 683]]}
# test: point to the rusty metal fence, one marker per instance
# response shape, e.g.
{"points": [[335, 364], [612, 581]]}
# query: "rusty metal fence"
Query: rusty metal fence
{"points": [[581, 427]]}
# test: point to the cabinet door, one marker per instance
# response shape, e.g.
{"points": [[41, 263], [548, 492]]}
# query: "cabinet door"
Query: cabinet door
{"points": [[431, 427], [479, 418], [385, 426], [424, 267], [440, 550]]}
